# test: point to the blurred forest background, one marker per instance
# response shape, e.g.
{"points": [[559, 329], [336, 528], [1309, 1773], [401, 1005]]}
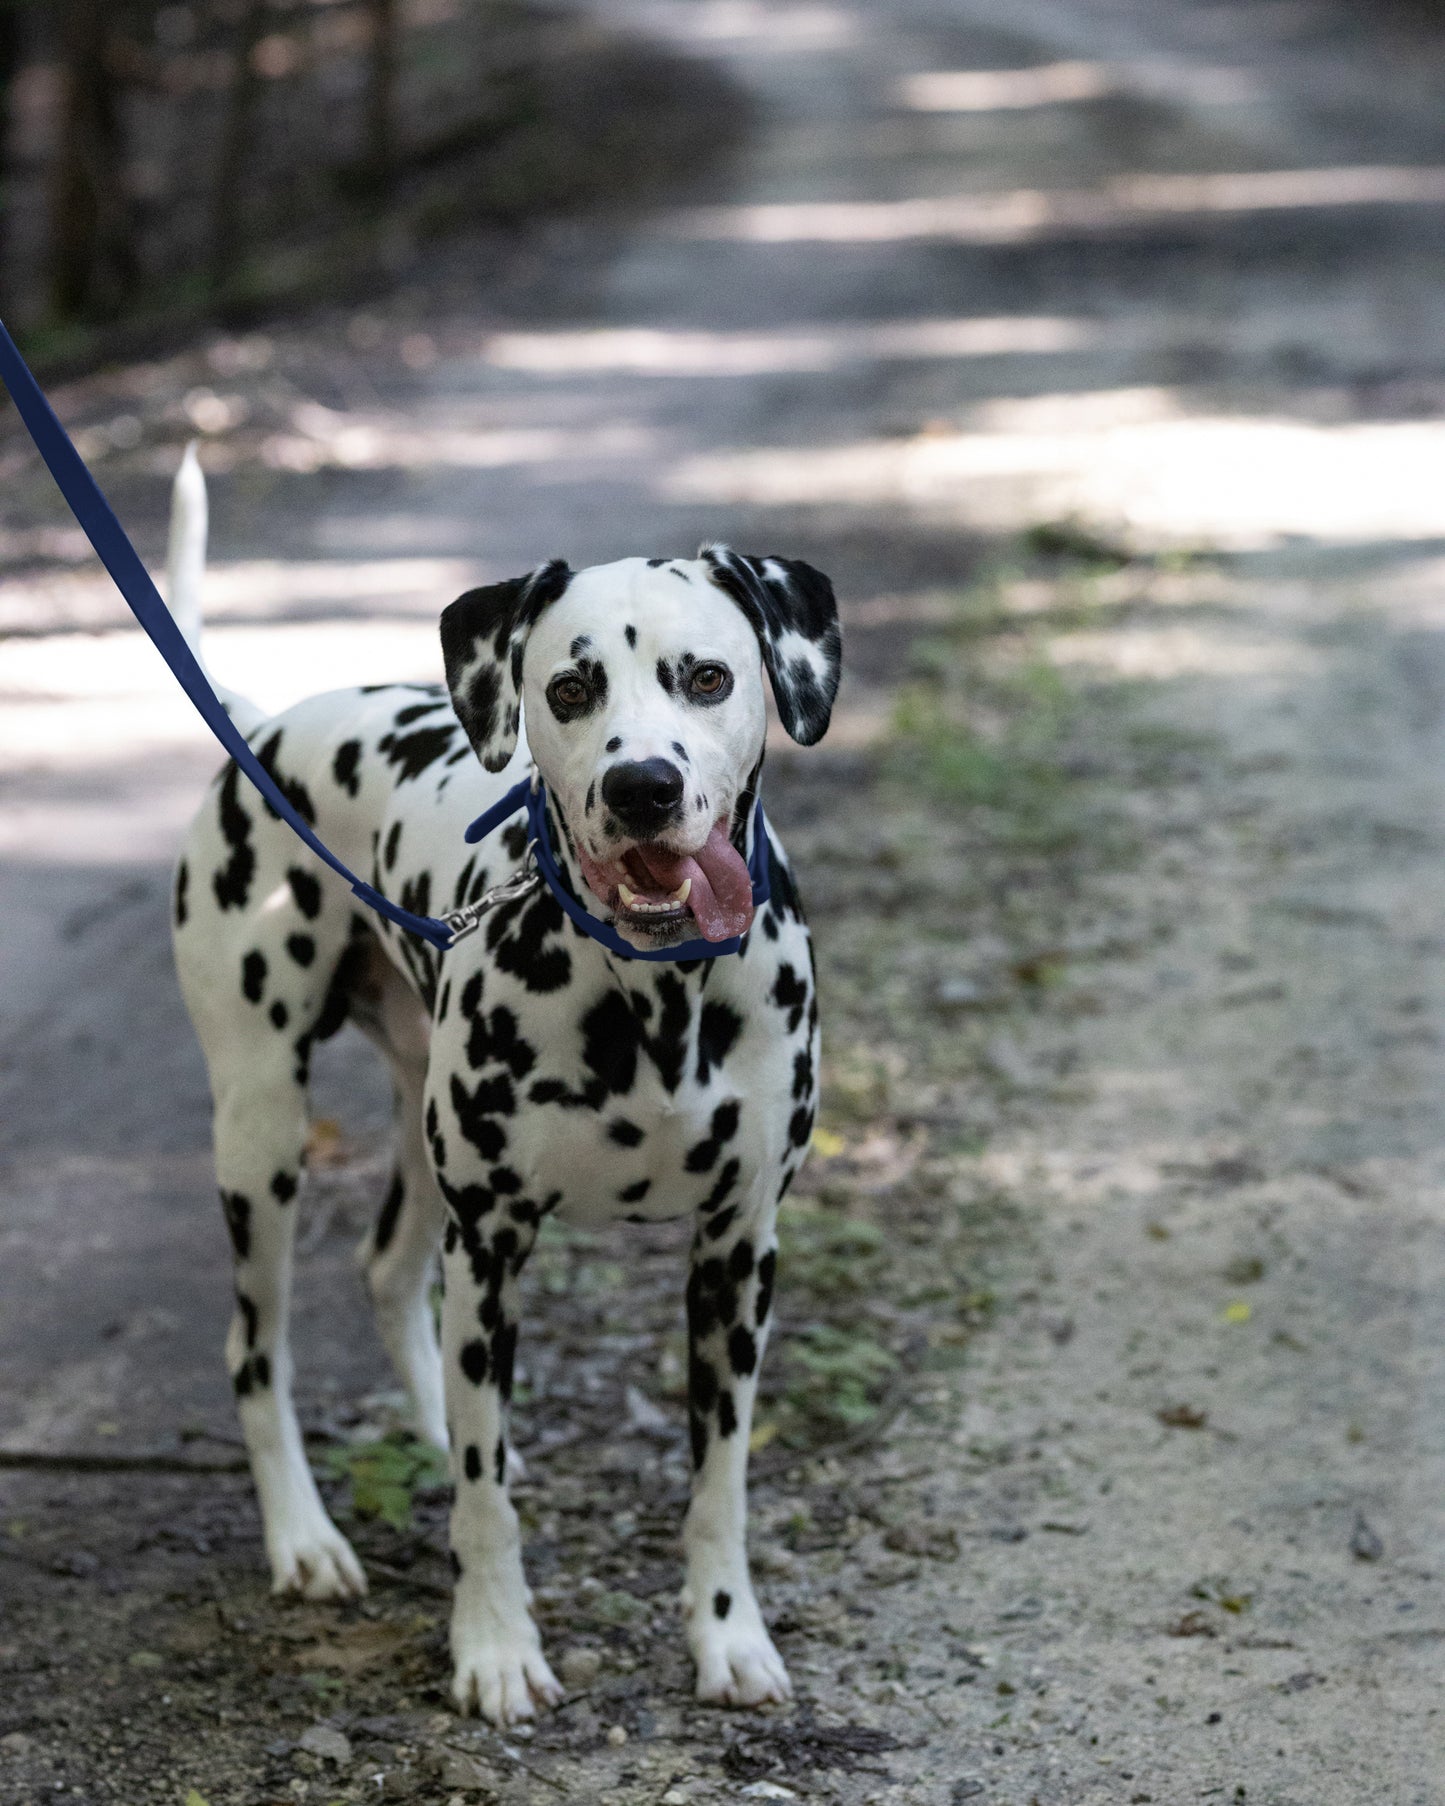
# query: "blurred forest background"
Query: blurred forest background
{"points": [[173, 161]]}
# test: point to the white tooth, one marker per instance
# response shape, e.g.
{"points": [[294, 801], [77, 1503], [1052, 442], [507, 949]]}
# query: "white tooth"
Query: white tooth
{"points": [[683, 891], [628, 897]]}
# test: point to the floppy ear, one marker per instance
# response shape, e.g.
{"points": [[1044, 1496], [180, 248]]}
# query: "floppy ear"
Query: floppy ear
{"points": [[793, 611], [484, 634]]}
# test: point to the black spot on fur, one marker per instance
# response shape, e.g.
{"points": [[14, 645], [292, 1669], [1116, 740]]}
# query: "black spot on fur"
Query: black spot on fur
{"points": [[183, 885], [389, 1215], [740, 1261], [613, 744], [292, 789], [626, 1134], [727, 1414], [283, 1187], [415, 710], [767, 1271], [522, 939], [630, 634], [306, 889], [344, 766], [504, 1355], [667, 677], [393, 844], [790, 993], [412, 754], [720, 1192], [237, 1209], [473, 1359], [476, 1113], [703, 1157], [722, 1604], [742, 1351], [232, 884], [472, 1462], [613, 1036], [253, 975], [280, 1015], [718, 1029], [634, 1193], [499, 1461], [302, 948], [454, 1562], [701, 1386], [800, 1128], [495, 1040], [249, 1316]]}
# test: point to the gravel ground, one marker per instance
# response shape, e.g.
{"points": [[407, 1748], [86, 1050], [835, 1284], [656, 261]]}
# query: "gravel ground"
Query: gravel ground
{"points": [[1098, 350]]}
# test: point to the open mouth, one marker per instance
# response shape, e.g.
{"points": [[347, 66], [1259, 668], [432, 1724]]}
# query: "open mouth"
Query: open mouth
{"points": [[655, 891]]}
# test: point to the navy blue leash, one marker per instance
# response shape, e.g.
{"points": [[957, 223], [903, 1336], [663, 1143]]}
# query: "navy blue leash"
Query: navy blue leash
{"points": [[120, 558], [115, 551]]}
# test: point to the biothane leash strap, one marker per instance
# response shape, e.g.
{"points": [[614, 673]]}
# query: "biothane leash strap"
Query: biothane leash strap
{"points": [[120, 558], [86, 502]]}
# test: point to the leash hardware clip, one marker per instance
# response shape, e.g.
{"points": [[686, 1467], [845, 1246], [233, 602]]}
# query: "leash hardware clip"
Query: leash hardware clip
{"points": [[466, 920]]}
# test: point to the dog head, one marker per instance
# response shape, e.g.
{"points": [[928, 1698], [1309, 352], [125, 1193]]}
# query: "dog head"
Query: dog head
{"points": [[642, 686]]}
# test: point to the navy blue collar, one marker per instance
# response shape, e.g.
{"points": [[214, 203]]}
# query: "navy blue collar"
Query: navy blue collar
{"points": [[532, 793]]}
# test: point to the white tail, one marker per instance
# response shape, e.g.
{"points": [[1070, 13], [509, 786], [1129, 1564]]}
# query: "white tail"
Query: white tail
{"points": [[185, 576]]}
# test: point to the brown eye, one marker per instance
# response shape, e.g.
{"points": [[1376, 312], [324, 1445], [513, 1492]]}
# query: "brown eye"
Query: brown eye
{"points": [[568, 692], [708, 680]]}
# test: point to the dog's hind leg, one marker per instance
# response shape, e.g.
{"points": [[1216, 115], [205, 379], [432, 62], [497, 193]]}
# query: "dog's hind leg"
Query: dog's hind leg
{"points": [[729, 1305], [257, 1018], [399, 1253], [260, 1136]]}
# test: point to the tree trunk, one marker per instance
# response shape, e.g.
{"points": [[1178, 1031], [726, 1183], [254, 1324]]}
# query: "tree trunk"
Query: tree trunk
{"points": [[381, 96], [93, 264], [12, 50], [227, 237]]}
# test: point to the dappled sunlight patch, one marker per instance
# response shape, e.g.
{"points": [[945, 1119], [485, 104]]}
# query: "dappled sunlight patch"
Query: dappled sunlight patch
{"points": [[1157, 654], [674, 351], [1059, 84], [1136, 457], [1015, 216], [74, 700]]}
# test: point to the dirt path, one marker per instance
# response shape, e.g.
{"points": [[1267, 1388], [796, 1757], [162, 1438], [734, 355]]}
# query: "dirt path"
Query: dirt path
{"points": [[1108, 1456]]}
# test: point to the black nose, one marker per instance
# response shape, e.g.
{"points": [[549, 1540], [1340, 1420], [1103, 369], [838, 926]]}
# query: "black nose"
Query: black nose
{"points": [[643, 794]]}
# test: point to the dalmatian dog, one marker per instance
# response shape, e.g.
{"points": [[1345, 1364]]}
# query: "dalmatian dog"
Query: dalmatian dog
{"points": [[535, 1071]]}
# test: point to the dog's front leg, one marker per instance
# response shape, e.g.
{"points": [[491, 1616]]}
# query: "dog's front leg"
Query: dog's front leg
{"points": [[499, 1668], [729, 1300]]}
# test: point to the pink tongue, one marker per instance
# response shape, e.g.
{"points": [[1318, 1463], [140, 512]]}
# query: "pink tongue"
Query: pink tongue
{"points": [[721, 898]]}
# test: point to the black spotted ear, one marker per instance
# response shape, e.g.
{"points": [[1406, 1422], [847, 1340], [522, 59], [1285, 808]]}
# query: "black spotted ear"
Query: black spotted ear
{"points": [[795, 615], [484, 634]]}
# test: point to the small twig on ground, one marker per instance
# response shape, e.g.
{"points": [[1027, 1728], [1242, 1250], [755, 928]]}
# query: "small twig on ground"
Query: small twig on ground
{"points": [[772, 1462], [434, 1589], [80, 1462]]}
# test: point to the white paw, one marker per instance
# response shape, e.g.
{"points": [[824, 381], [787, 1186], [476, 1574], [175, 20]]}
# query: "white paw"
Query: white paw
{"points": [[737, 1664], [317, 1562], [502, 1673]]}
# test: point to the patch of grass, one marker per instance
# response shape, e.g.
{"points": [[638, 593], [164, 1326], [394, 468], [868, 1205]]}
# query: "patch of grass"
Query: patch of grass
{"points": [[829, 1255], [386, 1475], [990, 734], [1072, 542], [835, 1380]]}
